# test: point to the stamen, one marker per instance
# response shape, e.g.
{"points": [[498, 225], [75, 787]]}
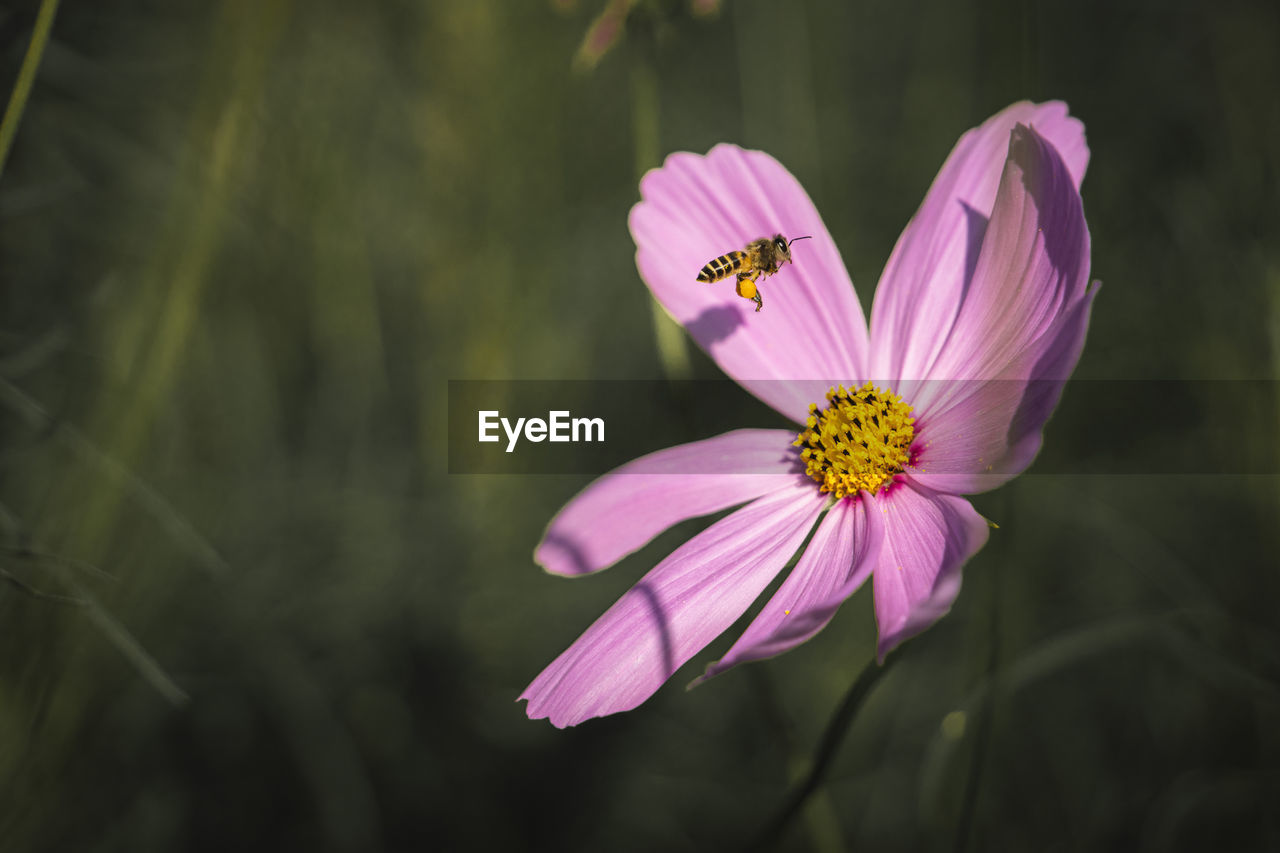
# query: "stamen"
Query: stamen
{"points": [[859, 441]]}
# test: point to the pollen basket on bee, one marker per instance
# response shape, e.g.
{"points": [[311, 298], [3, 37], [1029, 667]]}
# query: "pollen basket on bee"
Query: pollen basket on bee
{"points": [[722, 267]]}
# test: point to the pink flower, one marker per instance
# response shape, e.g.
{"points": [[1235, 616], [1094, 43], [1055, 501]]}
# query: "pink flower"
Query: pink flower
{"points": [[978, 320]]}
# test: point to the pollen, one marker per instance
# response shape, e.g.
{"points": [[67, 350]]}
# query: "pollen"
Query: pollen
{"points": [[859, 441]]}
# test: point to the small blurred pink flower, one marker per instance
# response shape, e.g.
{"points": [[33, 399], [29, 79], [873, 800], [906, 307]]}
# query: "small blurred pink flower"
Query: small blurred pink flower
{"points": [[603, 33], [978, 321]]}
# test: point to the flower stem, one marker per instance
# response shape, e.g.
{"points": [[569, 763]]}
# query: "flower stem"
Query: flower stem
{"points": [[26, 78], [982, 734], [825, 753]]}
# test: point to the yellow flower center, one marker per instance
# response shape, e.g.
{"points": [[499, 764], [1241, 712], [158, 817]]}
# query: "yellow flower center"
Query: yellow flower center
{"points": [[859, 441]]}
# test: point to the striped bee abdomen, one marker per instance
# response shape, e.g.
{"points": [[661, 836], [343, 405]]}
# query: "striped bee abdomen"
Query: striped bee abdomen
{"points": [[723, 266]]}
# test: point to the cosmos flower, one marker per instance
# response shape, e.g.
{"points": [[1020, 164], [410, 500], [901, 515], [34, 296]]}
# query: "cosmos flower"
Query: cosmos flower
{"points": [[978, 320]]}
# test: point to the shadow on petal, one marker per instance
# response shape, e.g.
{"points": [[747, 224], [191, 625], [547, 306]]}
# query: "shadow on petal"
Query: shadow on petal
{"points": [[662, 624], [1051, 188], [715, 324], [975, 231], [570, 551], [1044, 390]]}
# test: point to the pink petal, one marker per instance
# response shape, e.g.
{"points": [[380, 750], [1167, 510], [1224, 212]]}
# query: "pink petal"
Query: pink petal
{"points": [[624, 509], [696, 208], [1018, 334], [927, 538], [675, 610], [839, 558], [987, 432], [925, 281]]}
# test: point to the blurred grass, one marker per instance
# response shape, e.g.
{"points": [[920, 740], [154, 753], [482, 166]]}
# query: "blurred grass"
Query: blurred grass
{"points": [[245, 244], [26, 78]]}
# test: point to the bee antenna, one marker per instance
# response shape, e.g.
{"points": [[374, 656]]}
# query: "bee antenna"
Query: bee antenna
{"points": [[789, 242]]}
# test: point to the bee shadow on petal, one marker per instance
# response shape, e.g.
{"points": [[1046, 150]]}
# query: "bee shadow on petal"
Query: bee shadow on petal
{"points": [[715, 324]]}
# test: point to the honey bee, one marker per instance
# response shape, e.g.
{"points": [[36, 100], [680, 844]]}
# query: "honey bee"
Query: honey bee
{"points": [[760, 259]]}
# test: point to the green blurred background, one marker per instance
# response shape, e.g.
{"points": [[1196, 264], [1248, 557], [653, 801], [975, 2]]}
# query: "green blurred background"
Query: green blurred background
{"points": [[243, 605]]}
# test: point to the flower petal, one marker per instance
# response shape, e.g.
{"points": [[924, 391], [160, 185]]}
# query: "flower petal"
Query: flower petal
{"points": [[927, 538], [621, 511], [674, 611], [928, 274], [987, 432], [839, 558], [696, 208], [1017, 336]]}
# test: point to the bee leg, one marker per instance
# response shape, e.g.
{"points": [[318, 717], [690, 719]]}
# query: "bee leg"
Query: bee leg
{"points": [[747, 290]]}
